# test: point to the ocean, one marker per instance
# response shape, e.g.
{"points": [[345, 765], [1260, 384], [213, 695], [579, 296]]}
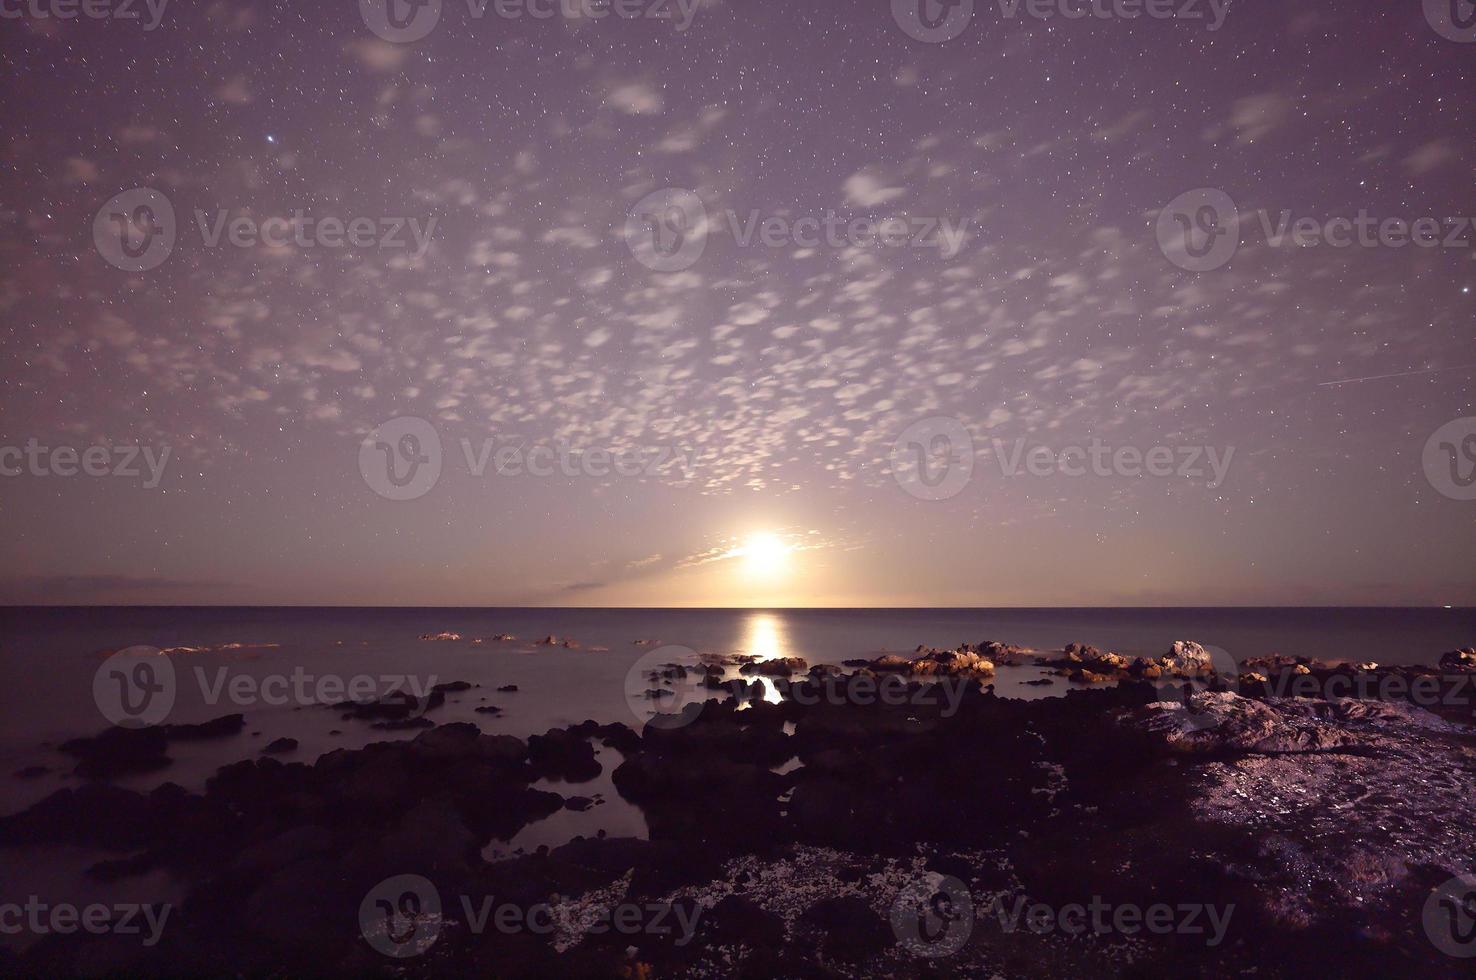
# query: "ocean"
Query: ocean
{"points": [[278, 666], [52, 655]]}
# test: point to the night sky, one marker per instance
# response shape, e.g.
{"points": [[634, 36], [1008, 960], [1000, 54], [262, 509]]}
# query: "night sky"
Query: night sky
{"points": [[761, 388]]}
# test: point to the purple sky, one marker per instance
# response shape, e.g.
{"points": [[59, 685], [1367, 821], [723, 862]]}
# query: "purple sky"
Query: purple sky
{"points": [[762, 388]]}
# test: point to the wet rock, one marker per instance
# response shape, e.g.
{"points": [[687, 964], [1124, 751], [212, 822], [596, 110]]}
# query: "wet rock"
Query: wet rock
{"points": [[776, 667], [1187, 658], [398, 709], [280, 746], [1226, 723], [119, 751], [852, 931], [1459, 660], [740, 921], [558, 754], [507, 689]]}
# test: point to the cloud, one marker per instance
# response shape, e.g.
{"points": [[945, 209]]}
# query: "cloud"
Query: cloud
{"points": [[1125, 126], [636, 99], [235, 92], [866, 190], [1255, 117], [1430, 157], [79, 171], [378, 55]]}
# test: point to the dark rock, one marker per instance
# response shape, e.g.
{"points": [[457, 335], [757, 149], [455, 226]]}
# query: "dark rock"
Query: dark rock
{"points": [[280, 746], [853, 932], [1459, 660], [119, 751], [776, 667], [739, 921], [558, 754]]}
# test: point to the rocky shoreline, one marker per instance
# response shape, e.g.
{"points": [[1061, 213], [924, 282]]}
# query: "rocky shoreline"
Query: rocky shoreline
{"points": [[827, 834]]}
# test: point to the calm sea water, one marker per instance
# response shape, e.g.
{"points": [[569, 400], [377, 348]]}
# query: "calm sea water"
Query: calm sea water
{"points": [[51, 654], [50, 657]]}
